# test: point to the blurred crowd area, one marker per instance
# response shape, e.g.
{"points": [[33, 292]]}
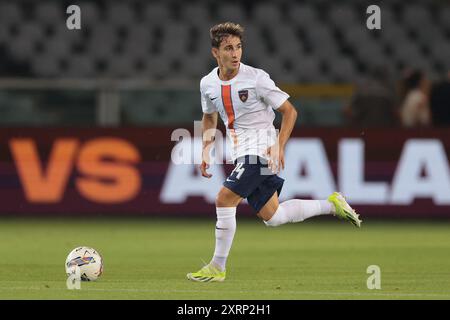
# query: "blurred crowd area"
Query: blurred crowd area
{"points": [[139, 62]]}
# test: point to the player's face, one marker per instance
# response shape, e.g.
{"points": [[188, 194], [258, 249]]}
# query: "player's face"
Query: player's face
{"points": [[229, 53]]}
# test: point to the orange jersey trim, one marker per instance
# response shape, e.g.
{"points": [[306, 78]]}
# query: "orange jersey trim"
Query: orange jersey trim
{"points": [[228, 104]]}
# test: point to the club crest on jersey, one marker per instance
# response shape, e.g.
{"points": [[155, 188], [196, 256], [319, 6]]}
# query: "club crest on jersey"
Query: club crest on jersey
{"points": [[243, 95]]}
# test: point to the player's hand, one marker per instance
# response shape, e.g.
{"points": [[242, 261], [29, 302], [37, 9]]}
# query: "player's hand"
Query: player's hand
{"points": [[276, 158], [203, 167]]}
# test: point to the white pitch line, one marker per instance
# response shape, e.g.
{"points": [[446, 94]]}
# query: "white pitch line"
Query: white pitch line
{"points": [[357, 294]]}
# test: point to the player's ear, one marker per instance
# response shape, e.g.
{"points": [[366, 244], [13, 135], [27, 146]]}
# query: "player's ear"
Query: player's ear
{"points": [[215, 52]]}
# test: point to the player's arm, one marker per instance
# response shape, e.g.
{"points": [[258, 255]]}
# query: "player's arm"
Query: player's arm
{"points": [[278, 99], [289, 116], [209, 125]]}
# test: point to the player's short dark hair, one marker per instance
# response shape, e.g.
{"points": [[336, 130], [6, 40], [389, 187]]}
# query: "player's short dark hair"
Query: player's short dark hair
{"points": [[223, 30]]}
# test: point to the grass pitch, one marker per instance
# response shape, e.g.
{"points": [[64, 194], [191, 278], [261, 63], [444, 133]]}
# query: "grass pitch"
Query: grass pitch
{"points": [[149, 259]]}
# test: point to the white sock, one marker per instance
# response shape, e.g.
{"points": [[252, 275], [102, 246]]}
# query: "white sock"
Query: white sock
{"points": [[298, 210], [225, 229]]}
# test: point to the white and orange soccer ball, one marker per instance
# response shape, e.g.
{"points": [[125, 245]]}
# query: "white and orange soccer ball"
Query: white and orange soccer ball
{"points": [[88, 260]]}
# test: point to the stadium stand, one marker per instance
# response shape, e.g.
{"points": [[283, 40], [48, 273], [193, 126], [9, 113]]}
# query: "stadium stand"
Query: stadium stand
{"points": [[123, 38], [167, 43]]}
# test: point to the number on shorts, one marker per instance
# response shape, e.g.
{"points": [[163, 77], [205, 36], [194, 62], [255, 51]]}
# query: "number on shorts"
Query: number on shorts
{"points": [[239, 170]]}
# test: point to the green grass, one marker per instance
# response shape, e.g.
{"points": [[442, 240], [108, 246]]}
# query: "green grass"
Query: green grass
{"points": [[149, 259]]}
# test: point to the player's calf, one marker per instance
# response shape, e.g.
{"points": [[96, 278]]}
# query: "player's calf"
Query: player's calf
{"points": [[296, 210]]}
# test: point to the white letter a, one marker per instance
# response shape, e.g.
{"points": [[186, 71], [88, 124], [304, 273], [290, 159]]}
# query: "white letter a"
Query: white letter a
{"points": [[374, 21], [74, 20]]}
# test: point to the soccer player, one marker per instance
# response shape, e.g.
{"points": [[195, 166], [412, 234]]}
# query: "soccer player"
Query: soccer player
{"points": [[245, 98]]}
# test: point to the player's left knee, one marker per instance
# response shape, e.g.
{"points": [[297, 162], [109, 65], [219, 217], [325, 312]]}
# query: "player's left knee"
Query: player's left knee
{"points": [[272, 222], [273, 219]]}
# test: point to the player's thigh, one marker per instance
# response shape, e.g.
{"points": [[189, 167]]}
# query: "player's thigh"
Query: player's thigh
{"points": [[227, 198], [268, 210]]}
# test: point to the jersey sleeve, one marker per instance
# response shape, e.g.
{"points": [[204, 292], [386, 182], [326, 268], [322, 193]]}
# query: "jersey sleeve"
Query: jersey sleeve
{"points": [[268, 91], [207, 105]]}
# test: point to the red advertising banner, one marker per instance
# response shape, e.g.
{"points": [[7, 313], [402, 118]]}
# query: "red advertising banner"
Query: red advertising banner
{"points": [[132, 171]]}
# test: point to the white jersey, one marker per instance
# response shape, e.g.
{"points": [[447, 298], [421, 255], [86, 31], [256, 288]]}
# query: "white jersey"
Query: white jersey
{"points": [[245, 105]]}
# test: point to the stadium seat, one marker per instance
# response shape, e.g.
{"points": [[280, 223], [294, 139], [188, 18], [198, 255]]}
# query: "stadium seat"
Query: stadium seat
{"points": [[357, 37], [73, 39], [416, 16], [10, 12], [195, 67], [46, 65], [80, 65], [343, 70], [444, 17], [255, 45], [4, 34], [104, 34], [31, 31], [441, 53], [285, 40], [121, 14], [158, 67], [302, 15], [175, 40], [406, 51], [57, 48], [138, 41], [343, 17], [193, 12], [371, 54], [231, 12], [122, 66], [424, 33], [91, 14], [394, 34], [307, 68], [22, 49], [266, 14], [50, 13], [157, 14]]}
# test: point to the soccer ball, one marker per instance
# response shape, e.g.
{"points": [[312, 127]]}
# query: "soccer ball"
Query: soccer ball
{"points": [[88, 260]]}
